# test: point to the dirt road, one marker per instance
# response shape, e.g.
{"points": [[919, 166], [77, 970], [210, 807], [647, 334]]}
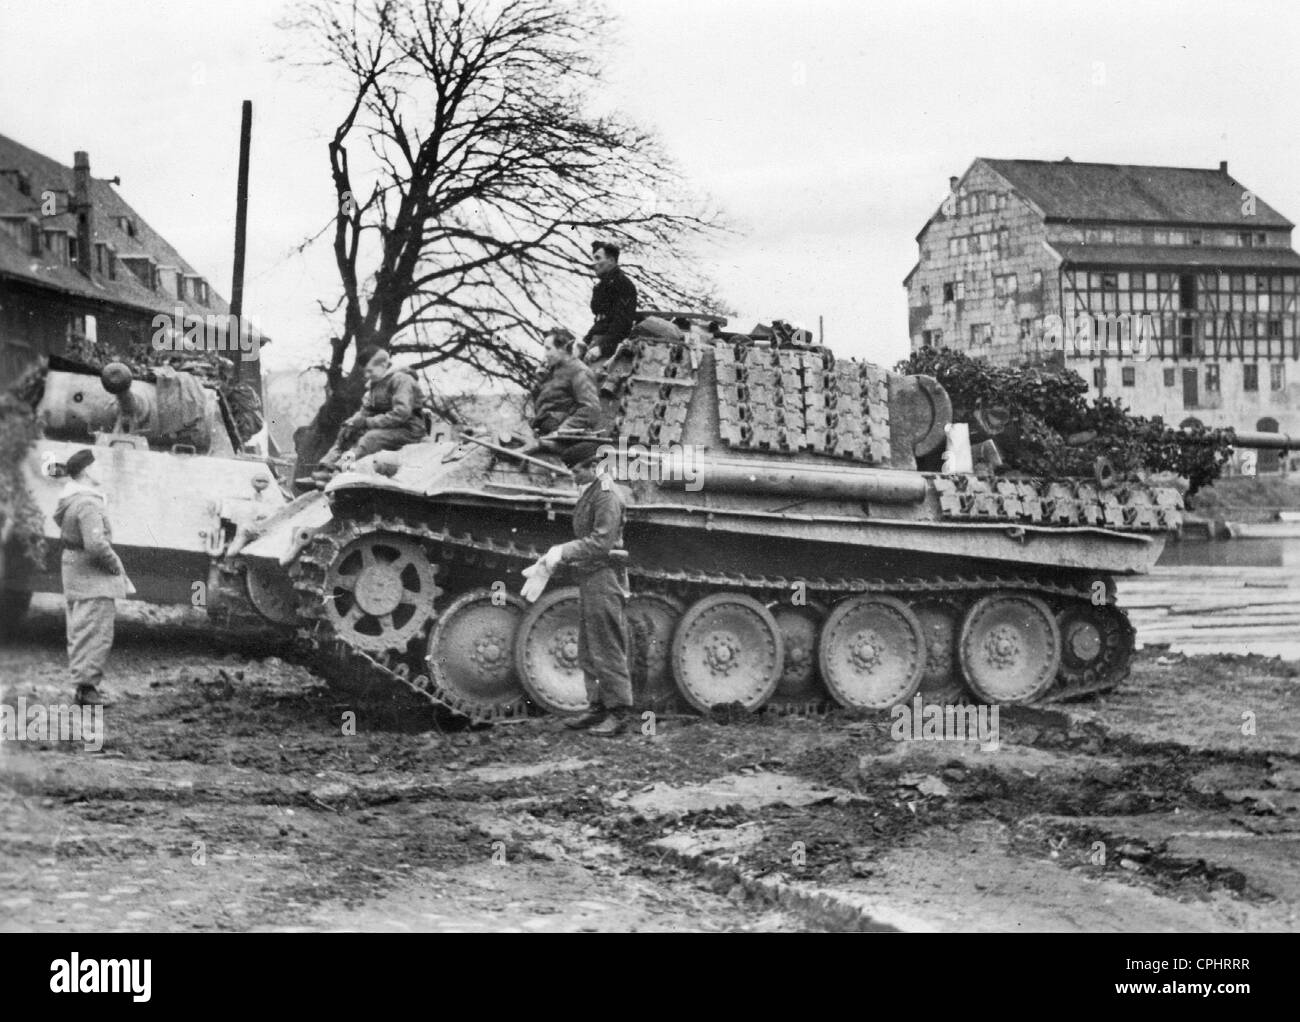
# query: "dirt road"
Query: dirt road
{"points": [[229, 795]]}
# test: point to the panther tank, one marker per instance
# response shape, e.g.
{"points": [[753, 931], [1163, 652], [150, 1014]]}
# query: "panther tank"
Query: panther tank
{"points": [[183, 498], [783, 550]]}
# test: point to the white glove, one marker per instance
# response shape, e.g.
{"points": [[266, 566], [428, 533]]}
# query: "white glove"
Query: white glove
{"points": [[552, 558], [538, 575]]}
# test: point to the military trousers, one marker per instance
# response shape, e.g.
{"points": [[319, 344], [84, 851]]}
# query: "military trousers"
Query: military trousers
{"points": [[602, 638], [90, 638], [374, 440]]}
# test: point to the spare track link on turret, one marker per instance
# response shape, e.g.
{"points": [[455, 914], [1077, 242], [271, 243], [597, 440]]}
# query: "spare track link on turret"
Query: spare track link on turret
{"points": [[338, 659]]}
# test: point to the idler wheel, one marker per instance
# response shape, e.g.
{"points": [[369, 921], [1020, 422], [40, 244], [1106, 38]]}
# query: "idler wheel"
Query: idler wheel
{"points": [[1094, 643], [546, 653], [800, 680], [1009, 648], [873, 652], [727, 649], [380, 591], [471, 653], [651, 620]]}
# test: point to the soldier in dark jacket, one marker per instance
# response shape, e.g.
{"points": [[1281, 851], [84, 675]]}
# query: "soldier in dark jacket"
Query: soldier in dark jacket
{"points": [[566, 400], [598, 520], [613, 303], [389, 417], [93, 576]]}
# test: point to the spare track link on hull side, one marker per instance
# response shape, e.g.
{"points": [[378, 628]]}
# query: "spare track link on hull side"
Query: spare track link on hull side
{"points": [[460, 549]]}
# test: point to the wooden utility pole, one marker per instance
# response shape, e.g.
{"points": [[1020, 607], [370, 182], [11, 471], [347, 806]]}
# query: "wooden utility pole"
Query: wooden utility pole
{"points": [[248, 372]]}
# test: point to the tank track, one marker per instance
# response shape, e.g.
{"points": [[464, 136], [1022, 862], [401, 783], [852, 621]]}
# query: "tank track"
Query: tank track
{"points": [[350, 664]]}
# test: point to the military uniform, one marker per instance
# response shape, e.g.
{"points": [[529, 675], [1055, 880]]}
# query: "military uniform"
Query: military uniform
{"points": [[390, 419], [613, 304], [598, 519], [93, 579], [567, 400]]}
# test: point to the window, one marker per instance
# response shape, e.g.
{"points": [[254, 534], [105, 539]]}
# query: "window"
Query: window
{"points": [[948, 292], [952, 246], [1128, 376], [1244, 238], [925, 295], [1038, 278], [1277, 376], [1004, 240], [1004, 285], [1261, 239], [1026, 329], [1099, 377], [981, 333], [1193, 237], [1212, 379], [961, 290], [1274, 327], [1109, 282], [1169, 377], [1250, 376]]}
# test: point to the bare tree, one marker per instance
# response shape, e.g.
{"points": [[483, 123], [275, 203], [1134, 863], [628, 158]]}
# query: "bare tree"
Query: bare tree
{"points": [[486, 177]]}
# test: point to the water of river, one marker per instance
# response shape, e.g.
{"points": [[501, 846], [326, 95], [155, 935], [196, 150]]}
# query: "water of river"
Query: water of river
{"points": [[1231, 553]]}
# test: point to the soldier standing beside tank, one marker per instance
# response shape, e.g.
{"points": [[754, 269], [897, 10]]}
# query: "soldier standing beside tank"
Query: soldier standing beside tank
{"points": [[598, 520], [93, 576], [613, 303]]}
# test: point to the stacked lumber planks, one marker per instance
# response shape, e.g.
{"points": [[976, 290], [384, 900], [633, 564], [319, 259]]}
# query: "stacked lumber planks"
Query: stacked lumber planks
{"points": [[1216, 610]]}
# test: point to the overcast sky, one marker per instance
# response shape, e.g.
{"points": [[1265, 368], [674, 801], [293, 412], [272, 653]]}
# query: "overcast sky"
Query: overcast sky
{"points": [[827, 129]]}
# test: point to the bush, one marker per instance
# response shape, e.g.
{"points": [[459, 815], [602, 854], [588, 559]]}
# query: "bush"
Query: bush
{"points": [[1055, 431]]}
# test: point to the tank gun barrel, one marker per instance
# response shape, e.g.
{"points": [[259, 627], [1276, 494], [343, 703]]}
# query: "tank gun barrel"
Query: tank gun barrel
{"points": [[1266, 441], [1258, 440]]}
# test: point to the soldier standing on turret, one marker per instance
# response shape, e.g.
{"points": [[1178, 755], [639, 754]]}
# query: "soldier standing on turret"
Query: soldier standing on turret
{"points": [[613, 303]]}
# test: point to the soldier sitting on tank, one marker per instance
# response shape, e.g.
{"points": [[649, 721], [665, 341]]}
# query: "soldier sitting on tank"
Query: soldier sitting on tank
{"points": [[389, 417], [566, 400]]}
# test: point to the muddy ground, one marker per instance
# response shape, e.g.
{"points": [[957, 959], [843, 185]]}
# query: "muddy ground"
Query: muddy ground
{"points": [[227, 796]]}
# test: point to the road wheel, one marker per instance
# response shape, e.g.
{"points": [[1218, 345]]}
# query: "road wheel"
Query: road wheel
{"points": [[800, 680], [471, 654], [1009, 648], [727, 650], [546, 653], [872, 652], [651, 620]]}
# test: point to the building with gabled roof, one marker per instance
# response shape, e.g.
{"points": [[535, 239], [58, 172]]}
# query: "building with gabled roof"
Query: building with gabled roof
{"points": [[1172, 289], [79, 267]]}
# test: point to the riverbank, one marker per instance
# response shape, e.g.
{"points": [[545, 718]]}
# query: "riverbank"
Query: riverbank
{"points": [[1248, 499]]}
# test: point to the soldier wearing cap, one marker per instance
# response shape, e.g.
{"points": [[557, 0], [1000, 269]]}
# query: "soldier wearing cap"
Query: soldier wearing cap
{"points": [[598, 520], [93, 576]]}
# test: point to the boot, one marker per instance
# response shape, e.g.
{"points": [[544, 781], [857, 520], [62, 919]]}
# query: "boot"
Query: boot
{"points": [[615, 723], [88, 695], [596, 715]]}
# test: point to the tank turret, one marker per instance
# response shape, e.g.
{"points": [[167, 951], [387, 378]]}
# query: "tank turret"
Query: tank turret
{"points": [[172, 409]]}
